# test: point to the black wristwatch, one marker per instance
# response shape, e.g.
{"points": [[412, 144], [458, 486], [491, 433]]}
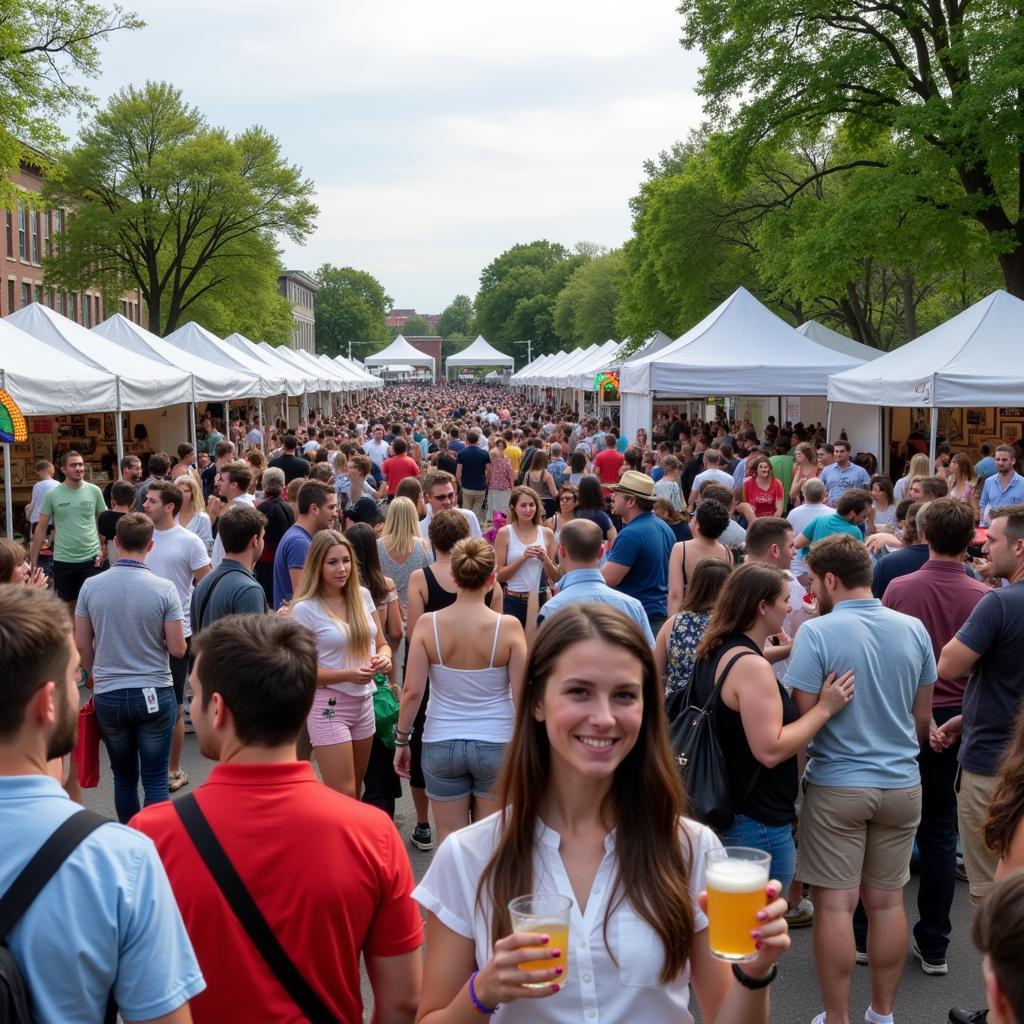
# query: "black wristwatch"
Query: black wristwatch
{"points": [[754, 983]]}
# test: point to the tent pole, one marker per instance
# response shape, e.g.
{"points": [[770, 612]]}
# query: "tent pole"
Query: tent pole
{"points": [[828, 420], [933, 439], [8, 496], [263, 427], [119, 433], [227, 421], [192, 427]]}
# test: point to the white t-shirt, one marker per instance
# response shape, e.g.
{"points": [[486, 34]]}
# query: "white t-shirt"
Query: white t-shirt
{"points": [[597, 988], [177, 554], [718, 476], [376, 451], [331, 635], [474, 525], [39, 489], [800, 517], [218, 545]]}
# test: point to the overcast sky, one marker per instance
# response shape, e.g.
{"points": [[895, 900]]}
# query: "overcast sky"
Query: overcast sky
{"points": [[438, 134]]}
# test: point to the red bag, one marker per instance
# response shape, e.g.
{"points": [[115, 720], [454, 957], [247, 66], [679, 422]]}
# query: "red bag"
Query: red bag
{"points": [[87, 749]]}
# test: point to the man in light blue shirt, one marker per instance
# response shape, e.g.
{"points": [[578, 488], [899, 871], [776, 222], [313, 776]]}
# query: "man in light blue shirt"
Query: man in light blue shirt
{"points": [[107, 921], [862, 795], [579, 551], [986, 465], [843, 474], [1005, 487]]}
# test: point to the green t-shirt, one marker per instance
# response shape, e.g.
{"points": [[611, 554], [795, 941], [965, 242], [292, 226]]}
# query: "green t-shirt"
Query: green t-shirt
{"points": [[783, 468], [824, 526], [73, 511]]}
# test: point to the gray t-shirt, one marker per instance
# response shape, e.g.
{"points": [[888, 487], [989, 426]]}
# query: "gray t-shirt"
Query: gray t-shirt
{"points": [[128, 606]]}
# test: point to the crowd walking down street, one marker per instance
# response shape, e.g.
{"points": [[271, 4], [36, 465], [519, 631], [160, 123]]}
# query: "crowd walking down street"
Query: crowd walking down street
{"points": [[461, 703]]}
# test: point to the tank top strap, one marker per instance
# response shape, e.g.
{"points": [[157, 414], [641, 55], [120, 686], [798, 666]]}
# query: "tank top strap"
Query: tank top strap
{"points": [[494, 642], [437, 640]]}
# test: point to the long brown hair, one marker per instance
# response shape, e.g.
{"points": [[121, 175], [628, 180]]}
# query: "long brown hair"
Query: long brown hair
{"points": [[655, 858], [1006, 807], [736, 608], [706, 584]]}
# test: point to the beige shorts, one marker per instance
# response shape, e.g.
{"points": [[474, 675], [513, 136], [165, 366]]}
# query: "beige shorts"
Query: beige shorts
{"points": [[853, 836], [973, 794]]}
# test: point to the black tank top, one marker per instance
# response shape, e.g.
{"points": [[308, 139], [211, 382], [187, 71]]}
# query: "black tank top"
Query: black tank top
{"points": [[772, 798], [438, 597]]}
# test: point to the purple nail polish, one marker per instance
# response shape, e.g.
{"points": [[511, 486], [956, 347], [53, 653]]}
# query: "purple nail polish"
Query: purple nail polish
{"points": [[762, 916], [555, 988], [558, 970], [758, 945], [555, 954]]}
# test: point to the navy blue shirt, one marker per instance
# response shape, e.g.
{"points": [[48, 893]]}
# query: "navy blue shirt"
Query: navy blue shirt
{"points": [[290, 554], [473, 459], [645, 545]]}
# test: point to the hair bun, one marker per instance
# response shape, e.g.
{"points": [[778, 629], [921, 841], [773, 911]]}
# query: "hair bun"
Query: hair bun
{"points": [[472, 563]]}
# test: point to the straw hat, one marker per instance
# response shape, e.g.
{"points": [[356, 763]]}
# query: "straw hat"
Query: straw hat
{"points": [[635, 484]]}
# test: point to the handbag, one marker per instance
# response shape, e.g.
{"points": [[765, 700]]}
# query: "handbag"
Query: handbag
{"points": [[385, 714], [694, 740], [87, 749]]}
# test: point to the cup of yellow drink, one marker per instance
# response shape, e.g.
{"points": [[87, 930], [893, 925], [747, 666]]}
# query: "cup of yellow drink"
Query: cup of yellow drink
{"points": [[737, 879], [544, 914]]}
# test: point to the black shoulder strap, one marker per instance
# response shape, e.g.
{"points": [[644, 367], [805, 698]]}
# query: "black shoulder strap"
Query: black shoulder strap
{"points": [[198, 624], [716, 689], [43, 866], [249, 915]]}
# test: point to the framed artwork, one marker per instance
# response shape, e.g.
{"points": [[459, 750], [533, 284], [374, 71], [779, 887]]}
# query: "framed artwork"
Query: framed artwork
{"points": [[94, 426], [78, 422], [41, 446], [108, 425], [1011, 414], [955, 427], [40, 425], [981, 421], [21, 450], [1011, 430], [17, 473]]}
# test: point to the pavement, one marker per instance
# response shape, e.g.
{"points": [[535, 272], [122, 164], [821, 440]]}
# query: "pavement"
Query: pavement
{"points": [[795, 1000]]}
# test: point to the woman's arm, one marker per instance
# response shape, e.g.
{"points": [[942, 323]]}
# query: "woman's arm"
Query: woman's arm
{"points": [[394, 628], [516, 656], [550, 550], [675, 579], [417, 601], [505, 570], [661, 650], [416, 672], [549, 480]]}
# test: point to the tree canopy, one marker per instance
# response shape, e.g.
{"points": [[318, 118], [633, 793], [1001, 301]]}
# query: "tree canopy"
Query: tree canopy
{"points": [[586, 307], [165, 203], [351, 306], [457, 317]]}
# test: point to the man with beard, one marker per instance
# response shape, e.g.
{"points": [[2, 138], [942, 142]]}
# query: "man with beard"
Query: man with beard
{"points": [[108, 914]]}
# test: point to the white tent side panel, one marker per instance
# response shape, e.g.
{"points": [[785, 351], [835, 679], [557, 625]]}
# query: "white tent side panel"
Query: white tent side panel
{"points": [[635, 411]]}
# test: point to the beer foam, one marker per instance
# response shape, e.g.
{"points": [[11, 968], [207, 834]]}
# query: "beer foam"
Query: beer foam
{"points": [[736, 876]]}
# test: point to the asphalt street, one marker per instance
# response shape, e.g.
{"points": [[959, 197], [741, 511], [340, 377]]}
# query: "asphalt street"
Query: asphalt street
{"points": [[921, 1000]]}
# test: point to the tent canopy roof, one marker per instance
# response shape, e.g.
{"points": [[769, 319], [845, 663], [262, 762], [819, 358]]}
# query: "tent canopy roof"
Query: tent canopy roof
{"points": [[967, 361], [143, 383], [212, 382], [399, 351], [837, 342], [199, 341], [740, 348], [580, 375], [296, 382], [543, 375], [531, 367], [361, 374], [480, 353]]}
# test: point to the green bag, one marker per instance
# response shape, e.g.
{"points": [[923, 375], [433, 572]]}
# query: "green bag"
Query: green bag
{"points": [[385, 712]]}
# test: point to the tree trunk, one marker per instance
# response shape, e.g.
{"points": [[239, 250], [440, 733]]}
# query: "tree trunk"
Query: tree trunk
{"points": [[1012, 265], [909, 306]]}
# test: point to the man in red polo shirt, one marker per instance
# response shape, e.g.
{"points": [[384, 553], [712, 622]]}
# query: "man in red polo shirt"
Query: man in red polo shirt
{"points": [[607, 463], [329, 874], [400, 466]]}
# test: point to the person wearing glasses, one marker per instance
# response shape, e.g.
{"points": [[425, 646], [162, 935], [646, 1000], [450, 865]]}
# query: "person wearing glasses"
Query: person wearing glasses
{"points": [[439, 490]]}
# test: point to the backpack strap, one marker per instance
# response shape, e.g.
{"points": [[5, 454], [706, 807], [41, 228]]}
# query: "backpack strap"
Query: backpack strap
{"points": [[43, 866], [249, 916]]}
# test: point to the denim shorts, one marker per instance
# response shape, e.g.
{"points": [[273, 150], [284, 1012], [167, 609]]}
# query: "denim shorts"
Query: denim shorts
{"points": [[456, 769], [774, 839]]}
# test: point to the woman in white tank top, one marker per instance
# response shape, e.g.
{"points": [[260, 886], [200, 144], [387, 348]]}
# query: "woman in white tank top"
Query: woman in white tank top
{"points": [[525, 554], [474, 659]]}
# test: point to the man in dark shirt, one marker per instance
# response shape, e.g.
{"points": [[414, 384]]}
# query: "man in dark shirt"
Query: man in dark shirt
{"points": [[289, 462], [473, 473], [131, 473], [446, 459], [223, 454]]}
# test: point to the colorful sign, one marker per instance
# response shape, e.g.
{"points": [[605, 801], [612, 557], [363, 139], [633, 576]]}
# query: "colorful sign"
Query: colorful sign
{"points": [[13, 428]]}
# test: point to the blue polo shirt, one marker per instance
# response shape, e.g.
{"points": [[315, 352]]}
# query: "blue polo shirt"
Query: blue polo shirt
{"points": [[993, 495], [872, 742], [588, 585], [645, 545], [106, 920], [290, 554], [838, 480]]}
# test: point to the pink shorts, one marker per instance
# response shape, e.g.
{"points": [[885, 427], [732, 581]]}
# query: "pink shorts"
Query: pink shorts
{"points": [[339, 718]]}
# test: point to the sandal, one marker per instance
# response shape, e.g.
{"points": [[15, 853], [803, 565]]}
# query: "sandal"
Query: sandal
{"points": [[175, 780]]}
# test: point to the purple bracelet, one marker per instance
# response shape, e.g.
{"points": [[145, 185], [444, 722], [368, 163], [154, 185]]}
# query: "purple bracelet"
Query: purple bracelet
{"points": [[486, 1011]]}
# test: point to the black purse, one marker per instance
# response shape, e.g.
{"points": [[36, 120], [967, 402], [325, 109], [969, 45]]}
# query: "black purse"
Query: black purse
{"points": [[694, 741]]}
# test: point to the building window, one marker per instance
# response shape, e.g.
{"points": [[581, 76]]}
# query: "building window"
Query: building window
{"points": [[26, 294], [73, 307], [10, 295], [59, 221], [62, 303], [38, 294], [10, 235], [34, 224], [22, 226], [87, 310], [47, 241], [96, 310]]}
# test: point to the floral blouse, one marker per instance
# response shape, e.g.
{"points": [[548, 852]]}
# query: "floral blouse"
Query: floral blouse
{"points": [[687, 631]]}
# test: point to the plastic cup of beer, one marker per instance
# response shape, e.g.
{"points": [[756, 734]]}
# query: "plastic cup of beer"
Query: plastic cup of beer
{"points": [[737, 879], [544, 914]]}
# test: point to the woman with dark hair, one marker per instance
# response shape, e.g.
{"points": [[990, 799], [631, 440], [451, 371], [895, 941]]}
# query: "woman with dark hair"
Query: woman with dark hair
{"points": [[762, 491], [805, 467], [540, 479], [591, 504], [593, 812], [16, 568], [882, 514], [577, 467], [567, 498], [707, 524], [676, 646], [1004, 835], [759, 728]]}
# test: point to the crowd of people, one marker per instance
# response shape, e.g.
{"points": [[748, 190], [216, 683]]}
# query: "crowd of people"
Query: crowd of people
{"points": [[505, 605]]}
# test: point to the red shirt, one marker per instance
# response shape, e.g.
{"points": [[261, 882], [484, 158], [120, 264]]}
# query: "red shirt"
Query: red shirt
{"points": [[398, 468], [763, 501], [607, 464], [330, 875]]}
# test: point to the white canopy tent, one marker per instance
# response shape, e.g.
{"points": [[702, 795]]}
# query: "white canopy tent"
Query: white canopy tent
{"points": [[521, 375], [972, 360], [400, 351], [580, 376], [296, 384], [479, 353], [363, 377], [546, 376], [739, 349], [199, 341], [838, 342]]}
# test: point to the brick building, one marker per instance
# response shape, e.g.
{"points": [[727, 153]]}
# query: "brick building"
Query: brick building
{"points": [[300, 290], [429, 346], [30, 234], [400, 317]]}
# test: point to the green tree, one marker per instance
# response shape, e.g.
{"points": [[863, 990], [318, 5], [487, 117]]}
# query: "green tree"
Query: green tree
{"points": [[517, 295], [169, 205], [586, 307], [44, 44], [416, 327], [351, 306], [937, 84], [454, 343], [457, 317]]}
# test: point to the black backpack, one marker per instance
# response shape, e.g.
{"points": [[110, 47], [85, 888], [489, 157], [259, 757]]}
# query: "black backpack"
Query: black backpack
{"points": [[14, 995]]}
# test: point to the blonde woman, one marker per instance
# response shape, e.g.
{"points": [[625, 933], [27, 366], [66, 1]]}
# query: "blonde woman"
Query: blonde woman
{"points": [[401, 547], [193, 515], [963, 481], [351, 650], [919, 466], [805, 467]]}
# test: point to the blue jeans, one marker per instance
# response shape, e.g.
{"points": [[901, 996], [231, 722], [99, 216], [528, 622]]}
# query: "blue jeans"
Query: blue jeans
{"points": [[774, 839], [456, 769], [138, 743]]}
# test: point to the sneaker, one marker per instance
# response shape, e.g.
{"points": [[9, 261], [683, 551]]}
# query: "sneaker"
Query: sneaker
{"points": [[934, 967], [175, 780], [421, 837], [820, 1019], [801, 915], [961, 873], [958, 1016], [862, 957]]}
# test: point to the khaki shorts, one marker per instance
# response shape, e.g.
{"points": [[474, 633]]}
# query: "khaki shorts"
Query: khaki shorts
{"points": [[973, 794], [849, 836]]}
